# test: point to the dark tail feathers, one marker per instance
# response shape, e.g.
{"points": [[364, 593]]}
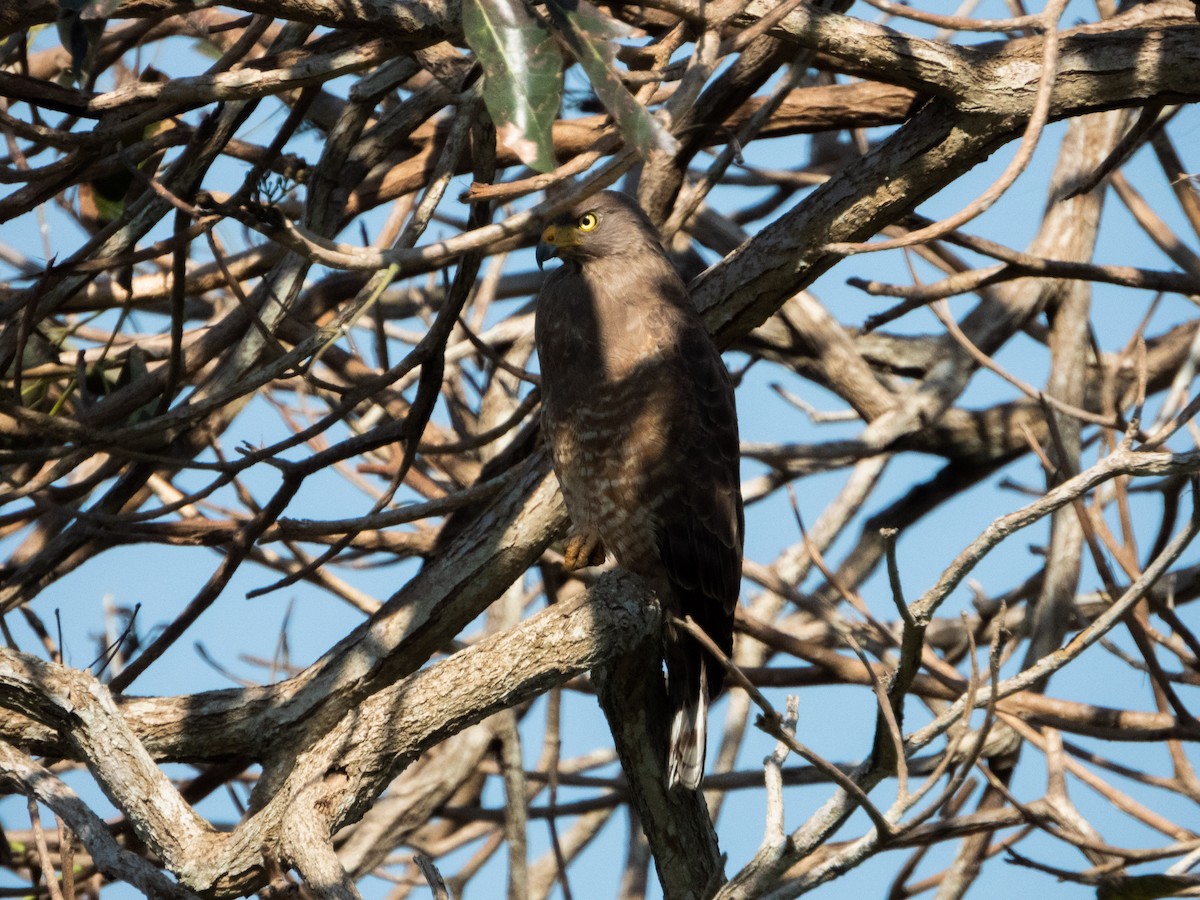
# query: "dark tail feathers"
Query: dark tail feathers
{"points": [[688, 688]]}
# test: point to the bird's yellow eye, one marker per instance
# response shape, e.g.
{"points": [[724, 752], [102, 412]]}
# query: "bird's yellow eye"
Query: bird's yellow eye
{"points": [[588, 222]]}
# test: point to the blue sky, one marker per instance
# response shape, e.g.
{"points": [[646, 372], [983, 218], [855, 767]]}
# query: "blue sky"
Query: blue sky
{"points": [[836, 722]]}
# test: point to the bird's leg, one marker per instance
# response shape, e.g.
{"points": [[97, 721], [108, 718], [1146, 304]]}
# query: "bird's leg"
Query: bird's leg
{"points": [[583, 548]]}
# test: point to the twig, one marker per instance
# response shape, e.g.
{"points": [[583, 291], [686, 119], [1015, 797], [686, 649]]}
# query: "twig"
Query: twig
{"points": [[773, 776], [432, 876], [554, 745], [940, 310], [771, 722], [1029, 141], [43, 851], [958, 23]]}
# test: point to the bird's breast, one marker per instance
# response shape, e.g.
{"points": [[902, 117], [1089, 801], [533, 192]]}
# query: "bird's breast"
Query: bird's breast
{"points": [[612, 455]]}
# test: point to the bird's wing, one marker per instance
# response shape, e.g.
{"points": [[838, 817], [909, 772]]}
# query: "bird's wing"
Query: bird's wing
{"points": [[701, 519]]}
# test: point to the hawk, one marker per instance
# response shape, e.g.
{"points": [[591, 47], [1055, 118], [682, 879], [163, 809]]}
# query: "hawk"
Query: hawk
{"points": [[638, 410]]}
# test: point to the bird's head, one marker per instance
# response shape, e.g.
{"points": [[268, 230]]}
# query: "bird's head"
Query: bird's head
{"points": [[606, 225]]}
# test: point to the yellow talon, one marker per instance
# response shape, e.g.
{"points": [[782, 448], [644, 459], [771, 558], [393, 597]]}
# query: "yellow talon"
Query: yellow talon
{"points": [[583, 549]]}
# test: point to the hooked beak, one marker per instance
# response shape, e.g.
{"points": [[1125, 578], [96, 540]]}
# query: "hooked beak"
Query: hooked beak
{"points": [[545, 251], [555, 239]]}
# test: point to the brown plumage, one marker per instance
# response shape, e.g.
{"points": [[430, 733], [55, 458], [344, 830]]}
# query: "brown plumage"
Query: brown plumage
{"points": [[639, 413]]}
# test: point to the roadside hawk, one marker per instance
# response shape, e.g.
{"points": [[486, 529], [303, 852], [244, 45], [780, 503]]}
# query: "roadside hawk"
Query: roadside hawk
{"points": [[639, 414]]}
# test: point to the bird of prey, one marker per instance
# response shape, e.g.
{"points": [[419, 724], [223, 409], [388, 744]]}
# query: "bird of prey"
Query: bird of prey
{"points": [[638, 410]]}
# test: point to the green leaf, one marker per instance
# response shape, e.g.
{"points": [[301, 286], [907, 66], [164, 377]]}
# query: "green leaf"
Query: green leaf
{"points": [[522, 76], [102, 200], [589, 34]]}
